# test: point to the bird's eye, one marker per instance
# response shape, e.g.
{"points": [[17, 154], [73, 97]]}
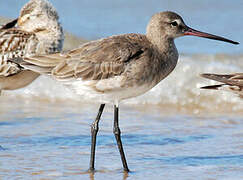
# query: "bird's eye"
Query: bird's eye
{"points": [[174, 23]]}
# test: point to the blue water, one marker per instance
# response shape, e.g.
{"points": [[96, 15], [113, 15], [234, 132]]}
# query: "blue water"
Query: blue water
{"points": [[51, 140], [180, 132], [93, 19]]}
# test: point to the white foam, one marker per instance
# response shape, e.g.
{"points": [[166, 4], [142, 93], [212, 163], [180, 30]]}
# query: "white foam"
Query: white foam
{"points": [[180, 88]]}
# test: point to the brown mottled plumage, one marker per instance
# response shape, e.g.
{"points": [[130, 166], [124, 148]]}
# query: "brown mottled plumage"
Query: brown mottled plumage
{"points": [[118, 67], [104, 59], [231, 82], [36, 31]]}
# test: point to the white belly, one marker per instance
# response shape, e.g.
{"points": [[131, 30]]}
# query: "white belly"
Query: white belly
{"points": [[106, 91]]}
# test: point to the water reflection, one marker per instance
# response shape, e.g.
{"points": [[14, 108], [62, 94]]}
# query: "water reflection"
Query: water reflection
{"points": [[103, 140], [199, 160], [91, 176], [57, 144], [95, 175]]}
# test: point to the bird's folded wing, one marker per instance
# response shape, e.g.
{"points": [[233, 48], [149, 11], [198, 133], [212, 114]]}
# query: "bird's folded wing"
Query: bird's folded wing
{"points": [[95, 60], [231, 79], [13, 44]]}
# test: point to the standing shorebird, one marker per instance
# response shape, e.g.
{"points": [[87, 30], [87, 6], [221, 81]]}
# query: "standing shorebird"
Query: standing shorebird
{"points": [[119, 67], [36, 31], [230, 82]]}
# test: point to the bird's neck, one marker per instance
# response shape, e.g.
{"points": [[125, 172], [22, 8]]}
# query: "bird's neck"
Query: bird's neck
{"points": [[161, 42], [166, 55]]}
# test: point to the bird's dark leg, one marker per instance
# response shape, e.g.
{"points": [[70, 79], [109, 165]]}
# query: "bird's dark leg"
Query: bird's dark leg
{"points": [[117, 133], [94, 131]]}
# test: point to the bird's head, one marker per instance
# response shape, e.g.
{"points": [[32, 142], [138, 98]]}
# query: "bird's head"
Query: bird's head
{"points": [[170, 25]]}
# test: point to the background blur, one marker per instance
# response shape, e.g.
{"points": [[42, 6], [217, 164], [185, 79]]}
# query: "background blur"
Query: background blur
{"points": [[174, 130], [93, 19]]}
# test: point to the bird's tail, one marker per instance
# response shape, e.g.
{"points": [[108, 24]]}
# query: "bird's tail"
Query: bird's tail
{"points": [[42, 64]]}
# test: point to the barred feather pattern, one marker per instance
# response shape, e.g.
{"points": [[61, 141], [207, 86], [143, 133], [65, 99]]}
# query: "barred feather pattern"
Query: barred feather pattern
{"points": [[15, 44], [36, 31], [231, 82]]}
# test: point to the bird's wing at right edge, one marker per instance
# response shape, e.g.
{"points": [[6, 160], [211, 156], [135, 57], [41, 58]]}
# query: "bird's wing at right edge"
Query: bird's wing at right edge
{"points": [[231, 82], [230, 79]]}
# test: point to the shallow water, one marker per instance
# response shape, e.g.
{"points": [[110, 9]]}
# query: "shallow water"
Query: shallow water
{"points": [[180, 90], [175, 131], [47, 140]]}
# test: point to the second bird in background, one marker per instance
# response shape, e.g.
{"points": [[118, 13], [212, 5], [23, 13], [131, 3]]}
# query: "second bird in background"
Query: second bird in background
{"points": [[37, 30]]}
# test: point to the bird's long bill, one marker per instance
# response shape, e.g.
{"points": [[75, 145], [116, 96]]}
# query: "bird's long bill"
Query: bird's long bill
{"points": [[193, 32]]}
